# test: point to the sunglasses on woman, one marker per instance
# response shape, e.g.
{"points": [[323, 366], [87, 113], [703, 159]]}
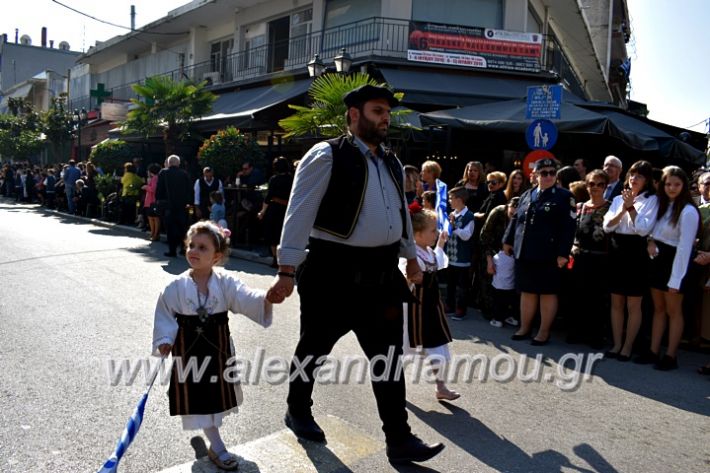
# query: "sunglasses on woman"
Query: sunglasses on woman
{"points": [[547, 173], [492, 183]]}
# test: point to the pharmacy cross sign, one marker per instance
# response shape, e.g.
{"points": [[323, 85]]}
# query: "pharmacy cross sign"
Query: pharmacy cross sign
{"points": [[100, 93]]}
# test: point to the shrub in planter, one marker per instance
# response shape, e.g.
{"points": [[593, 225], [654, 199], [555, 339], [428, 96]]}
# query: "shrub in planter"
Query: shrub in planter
{"points": [[111, 155], [226, 150]]}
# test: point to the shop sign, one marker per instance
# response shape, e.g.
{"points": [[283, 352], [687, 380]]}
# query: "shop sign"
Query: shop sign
{"points": [[477, 47]]}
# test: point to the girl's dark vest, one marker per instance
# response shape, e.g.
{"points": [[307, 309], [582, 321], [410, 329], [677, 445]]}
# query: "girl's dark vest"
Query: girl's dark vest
{"points": [[343, 199]]}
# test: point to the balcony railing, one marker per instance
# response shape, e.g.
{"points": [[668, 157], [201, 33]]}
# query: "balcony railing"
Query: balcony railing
{"points": [[384, 37]]}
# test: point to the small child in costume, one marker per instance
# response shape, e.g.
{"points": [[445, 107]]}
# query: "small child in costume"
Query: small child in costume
{"points": [[426, 331], [191, 322]]}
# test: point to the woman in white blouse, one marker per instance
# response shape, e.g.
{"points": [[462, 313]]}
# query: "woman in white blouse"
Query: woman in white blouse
{"points": [[629, 219], [669, 247]]}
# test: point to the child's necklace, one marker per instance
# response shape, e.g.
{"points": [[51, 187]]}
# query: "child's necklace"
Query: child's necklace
{"points": [[201, 309]]}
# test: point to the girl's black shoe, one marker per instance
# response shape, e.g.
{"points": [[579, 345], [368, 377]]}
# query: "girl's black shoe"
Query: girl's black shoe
{"points": [[666, 363]]}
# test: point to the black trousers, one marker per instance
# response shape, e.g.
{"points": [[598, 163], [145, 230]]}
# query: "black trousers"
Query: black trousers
{"points": [[175, 227], [457, 284], [506, 303], [363, 301]]}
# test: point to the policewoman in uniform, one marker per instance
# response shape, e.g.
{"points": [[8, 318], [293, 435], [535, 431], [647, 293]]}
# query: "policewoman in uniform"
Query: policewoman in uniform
{"points": [[540, 236], [347, 205]]}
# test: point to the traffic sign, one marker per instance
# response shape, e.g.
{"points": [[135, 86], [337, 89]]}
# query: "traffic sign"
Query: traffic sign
{"points": [[533, 157], [541, 134], [544, 102]]}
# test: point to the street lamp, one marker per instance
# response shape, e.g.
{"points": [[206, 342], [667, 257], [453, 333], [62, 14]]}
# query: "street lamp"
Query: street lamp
{"points": [[78, 120], [316, 67], [342, 61]]}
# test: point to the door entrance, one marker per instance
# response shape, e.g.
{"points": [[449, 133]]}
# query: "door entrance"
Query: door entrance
{"points": [[278, 43]]}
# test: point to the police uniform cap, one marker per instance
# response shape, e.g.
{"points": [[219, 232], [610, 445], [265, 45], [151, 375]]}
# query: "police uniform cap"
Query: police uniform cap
{"points": [[362, 94], [545, 163]]}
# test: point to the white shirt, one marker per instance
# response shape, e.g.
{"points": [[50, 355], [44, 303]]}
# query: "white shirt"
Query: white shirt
{"points": [[504, 278], [681, 236], [380, 219], [646, 210], [466, 232]]}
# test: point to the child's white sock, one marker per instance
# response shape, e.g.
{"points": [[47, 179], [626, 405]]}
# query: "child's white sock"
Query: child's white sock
{"points": [[216, 444]]}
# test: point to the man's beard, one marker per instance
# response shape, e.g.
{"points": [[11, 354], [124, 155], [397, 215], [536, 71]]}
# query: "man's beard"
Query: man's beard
{"points": [[369, 133]]}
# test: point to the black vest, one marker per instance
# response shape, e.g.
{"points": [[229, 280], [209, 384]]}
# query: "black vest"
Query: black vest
{"points": [[342, 202], [206, 190]]}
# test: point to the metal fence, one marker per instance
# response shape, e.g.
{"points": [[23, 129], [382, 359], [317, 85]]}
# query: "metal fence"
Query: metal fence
{"points": [[385, 37]]}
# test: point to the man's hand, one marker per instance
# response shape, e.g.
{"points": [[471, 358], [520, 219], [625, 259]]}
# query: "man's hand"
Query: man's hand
{"points": [[282, 287], [414, 272], [562, 261], [164, 349]]}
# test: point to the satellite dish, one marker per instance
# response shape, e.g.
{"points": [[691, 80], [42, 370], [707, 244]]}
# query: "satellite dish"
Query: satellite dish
{"points": [[64, 46], [26, 40]]}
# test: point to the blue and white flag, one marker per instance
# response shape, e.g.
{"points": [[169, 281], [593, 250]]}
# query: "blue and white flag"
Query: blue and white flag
{"points": [[129, 433]]}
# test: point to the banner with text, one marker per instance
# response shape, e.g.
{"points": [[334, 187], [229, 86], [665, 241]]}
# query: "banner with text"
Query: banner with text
{"points": [[474, 47]]}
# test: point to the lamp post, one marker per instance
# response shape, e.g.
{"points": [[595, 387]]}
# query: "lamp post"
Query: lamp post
{"points": [[342, 61], [78, 120]]}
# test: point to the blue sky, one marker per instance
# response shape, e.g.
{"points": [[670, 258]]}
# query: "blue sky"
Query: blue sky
{"points": [[670, 64], [670, 68]]}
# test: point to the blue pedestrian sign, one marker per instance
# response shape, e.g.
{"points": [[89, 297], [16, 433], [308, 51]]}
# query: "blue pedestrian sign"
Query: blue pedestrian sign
{"points": [[541, 134], [544, 102]]}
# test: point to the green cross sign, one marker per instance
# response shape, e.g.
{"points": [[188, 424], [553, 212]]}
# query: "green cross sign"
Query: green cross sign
{"points": [[100, 93]]}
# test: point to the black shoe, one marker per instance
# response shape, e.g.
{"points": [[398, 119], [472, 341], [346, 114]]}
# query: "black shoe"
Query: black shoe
{"points": [[170, 254], [666, 363], [538, 343], [623, 358], [304, 427], [518, 337], [611, 355], [647, 358], [412, 449]]}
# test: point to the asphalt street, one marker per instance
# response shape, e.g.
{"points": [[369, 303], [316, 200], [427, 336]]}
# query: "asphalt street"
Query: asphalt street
{"points": [[77, 298]]}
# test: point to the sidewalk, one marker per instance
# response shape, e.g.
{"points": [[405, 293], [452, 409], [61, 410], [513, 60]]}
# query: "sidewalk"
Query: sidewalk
{"points": [[234, 252]]}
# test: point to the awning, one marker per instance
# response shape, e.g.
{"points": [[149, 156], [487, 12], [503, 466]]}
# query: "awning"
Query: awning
{"points": [[455, 90], [242, 108], [509, 116]]}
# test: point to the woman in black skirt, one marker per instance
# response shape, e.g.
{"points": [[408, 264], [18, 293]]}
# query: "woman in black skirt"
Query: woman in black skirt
{"points": [[670, 248], [629, 220]]}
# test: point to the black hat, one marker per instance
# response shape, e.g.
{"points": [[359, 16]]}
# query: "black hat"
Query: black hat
{"points": [[362, 94], [545, 163]]}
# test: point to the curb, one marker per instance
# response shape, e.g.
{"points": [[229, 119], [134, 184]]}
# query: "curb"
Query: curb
{"points": [[233, 253]]}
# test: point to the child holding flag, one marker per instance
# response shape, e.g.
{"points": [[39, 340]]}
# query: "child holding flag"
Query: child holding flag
{"points": [[191, 322]]}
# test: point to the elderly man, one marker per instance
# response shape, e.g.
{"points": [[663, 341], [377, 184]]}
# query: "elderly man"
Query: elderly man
{"points": [[613, 167], [174, 188], [347, 204], [204, 186]]}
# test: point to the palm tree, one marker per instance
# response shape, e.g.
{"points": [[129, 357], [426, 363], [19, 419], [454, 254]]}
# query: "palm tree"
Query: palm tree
{"points": [[167, 107], [326, 115]]}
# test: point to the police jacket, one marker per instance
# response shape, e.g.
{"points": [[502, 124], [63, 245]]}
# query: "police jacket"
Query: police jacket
{"points": [[543, 226]]}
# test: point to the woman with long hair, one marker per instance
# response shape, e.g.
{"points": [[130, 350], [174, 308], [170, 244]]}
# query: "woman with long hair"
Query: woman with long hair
{"points": [[629, 220], [517, 184], [670, 246], [474, 181]]}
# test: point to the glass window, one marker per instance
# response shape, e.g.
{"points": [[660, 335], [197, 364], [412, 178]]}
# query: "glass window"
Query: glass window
{"points": [[534, 23], [341, 12], [301, 23], [483, 13]]}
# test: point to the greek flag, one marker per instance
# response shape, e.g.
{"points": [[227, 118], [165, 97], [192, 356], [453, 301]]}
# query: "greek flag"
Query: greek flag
{"points": [[129, 433]]}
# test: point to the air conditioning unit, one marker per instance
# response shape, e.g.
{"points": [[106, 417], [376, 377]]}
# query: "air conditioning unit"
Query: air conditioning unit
{"points": [[212, 78]]}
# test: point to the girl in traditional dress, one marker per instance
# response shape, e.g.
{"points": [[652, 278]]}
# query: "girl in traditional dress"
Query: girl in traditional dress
{"points": [[191, 321], [426, 331]]}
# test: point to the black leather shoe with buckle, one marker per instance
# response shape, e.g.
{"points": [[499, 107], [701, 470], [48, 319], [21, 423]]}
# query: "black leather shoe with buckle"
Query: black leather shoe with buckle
{"points": [[412, 449], [304, 427]]}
